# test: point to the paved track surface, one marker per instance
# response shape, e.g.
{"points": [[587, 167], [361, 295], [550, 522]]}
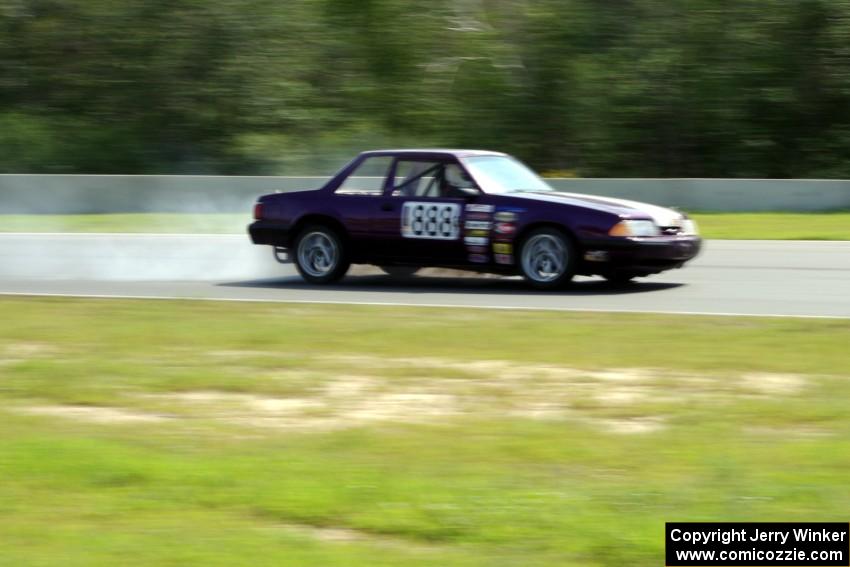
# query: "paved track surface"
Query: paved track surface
{"points": [[730, 277]]}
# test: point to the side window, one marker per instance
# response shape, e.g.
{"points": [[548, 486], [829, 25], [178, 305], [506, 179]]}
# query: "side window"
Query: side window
{"points": [[416, 178], [368, 178]]}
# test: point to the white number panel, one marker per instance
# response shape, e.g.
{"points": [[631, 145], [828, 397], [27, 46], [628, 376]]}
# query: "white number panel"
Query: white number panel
{"points": [[436, 221]]}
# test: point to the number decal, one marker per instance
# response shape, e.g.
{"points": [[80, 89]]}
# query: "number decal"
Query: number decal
{"points": [[437, 221]]}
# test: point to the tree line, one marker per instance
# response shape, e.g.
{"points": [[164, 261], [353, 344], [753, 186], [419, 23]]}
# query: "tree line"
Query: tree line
{"points": [[628, 88]]}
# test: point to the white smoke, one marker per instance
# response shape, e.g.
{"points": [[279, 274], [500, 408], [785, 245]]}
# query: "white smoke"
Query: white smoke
{"points": [[212, 204], [140, 257]]}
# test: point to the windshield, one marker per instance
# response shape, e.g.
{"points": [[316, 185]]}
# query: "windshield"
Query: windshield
{"points": [[503, 174]]}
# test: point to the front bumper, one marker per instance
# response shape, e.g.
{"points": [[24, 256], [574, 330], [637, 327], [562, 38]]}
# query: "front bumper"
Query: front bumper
{"points": [[638, 256]]}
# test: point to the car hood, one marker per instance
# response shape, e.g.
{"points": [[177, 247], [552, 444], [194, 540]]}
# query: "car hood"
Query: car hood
{"points": [[621, 207]]}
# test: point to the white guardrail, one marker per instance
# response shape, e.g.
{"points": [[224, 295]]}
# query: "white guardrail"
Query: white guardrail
{"points": [[69, 194]]}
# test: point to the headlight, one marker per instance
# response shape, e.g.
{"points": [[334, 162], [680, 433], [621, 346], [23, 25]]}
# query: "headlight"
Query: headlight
{"points": [[689, 227], [635, 228]]}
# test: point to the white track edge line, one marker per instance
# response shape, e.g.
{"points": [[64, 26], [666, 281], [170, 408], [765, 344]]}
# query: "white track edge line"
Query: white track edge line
{"points": [[423, 305]]}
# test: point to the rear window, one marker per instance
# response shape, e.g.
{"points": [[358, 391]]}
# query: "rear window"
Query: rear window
{"points": [[368, 178]]}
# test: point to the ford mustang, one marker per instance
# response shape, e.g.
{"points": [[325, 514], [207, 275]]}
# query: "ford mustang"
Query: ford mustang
{"points": [[474, 210]]}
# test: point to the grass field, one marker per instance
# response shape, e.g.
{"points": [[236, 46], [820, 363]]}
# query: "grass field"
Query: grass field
{"points": [[775, 226], [745, 226], [198, 433]]}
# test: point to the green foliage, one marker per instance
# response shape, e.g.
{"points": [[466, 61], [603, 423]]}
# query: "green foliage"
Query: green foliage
{"points": [[737, 88]]}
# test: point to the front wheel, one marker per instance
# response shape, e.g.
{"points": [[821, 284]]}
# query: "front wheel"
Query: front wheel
{"points": [[547, 258], [320, 255]]}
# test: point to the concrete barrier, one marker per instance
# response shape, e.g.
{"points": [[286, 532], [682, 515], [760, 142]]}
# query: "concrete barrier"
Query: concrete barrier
{"points": [[738, 195], [70, 194]]}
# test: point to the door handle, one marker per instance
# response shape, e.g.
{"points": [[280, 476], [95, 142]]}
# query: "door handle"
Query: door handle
{"points": [[387, 207]]}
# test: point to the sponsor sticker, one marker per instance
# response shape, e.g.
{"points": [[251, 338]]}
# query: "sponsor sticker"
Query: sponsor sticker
{"points": [[477, 232], [473, 208], [505, 216], [477, 249], [503, 248], [478, 225], [504, 258], [505, 227], [479, 216], [478, 258], [476, 241]]}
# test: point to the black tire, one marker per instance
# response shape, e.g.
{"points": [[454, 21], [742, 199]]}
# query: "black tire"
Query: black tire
{"points": [[547, 258], [320, 255], [399, 271]]}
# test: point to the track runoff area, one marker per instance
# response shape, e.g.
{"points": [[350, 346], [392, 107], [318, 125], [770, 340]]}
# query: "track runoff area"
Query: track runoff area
{"points": [[764, 278], [587, 432]]}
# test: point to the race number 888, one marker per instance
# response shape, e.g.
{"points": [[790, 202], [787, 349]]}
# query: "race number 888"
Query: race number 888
{"points": [[438, 221]]}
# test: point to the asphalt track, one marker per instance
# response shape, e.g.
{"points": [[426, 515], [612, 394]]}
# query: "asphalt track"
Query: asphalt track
{"points": [[773, 278]]}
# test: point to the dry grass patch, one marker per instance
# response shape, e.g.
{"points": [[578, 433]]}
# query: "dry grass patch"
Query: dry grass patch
{"points": [[94, 414], [352, 391], [13, 353]]}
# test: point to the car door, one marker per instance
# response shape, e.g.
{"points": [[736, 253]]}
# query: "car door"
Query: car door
{"points": [[357, 203], [417, 221]]}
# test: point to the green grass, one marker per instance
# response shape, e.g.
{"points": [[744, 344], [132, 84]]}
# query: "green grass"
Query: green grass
{"points": [[752, 421], [775, 226], [747, 226]]}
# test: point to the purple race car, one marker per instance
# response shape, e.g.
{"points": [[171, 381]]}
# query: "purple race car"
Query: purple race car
{"points": [[473, 210]]}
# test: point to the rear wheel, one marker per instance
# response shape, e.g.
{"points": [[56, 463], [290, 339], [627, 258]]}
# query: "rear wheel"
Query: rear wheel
{"points": [[399, 271], [547, 258], [320, 255]]}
